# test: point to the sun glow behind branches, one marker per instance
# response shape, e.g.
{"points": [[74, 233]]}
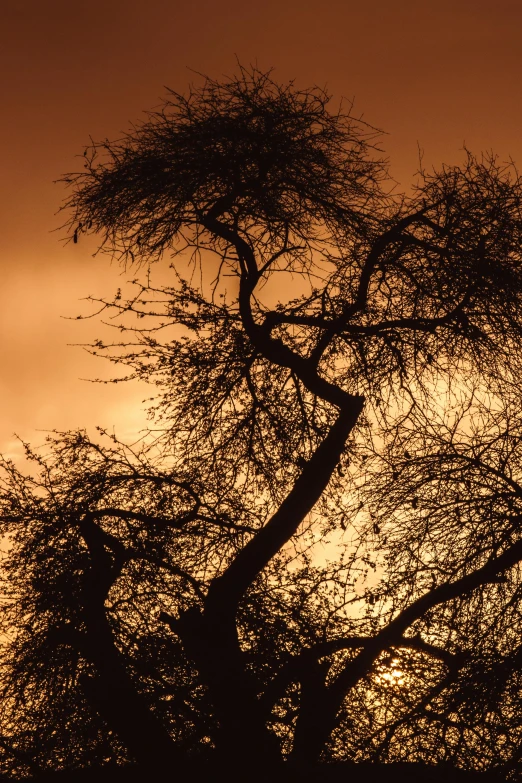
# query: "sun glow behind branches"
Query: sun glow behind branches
{"points": [[393, 676]]}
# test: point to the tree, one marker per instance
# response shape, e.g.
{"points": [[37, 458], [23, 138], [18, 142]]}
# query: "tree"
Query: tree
{"points": [[167, 603]]}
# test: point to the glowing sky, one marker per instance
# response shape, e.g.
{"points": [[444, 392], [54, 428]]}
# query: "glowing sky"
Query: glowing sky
{"points": [[434, 74]]}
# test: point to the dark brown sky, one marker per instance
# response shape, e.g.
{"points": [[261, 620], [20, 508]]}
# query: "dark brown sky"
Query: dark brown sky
{"points": [[438, 74]]}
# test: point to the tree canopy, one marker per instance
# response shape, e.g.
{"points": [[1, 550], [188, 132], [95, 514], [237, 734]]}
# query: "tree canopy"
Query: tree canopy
{"points": [[313, 555]]}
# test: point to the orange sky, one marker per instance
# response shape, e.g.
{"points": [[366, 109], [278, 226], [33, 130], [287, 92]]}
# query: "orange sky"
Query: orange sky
{"points": [[436, 74]]}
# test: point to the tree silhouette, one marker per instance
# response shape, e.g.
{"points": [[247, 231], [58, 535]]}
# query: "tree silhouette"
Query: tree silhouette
{"points": [[333, 362]]}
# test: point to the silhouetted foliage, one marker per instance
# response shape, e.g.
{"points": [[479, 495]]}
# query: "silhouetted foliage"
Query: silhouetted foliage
{"points": [[314, 554]]}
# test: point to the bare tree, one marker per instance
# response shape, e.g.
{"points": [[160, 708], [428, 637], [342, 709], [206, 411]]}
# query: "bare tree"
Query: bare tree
{"points": [[327, 380]]}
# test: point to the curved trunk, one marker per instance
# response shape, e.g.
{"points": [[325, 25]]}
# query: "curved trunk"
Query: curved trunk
{"points": [[114, 696], [112, 692], [243, 737]]}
